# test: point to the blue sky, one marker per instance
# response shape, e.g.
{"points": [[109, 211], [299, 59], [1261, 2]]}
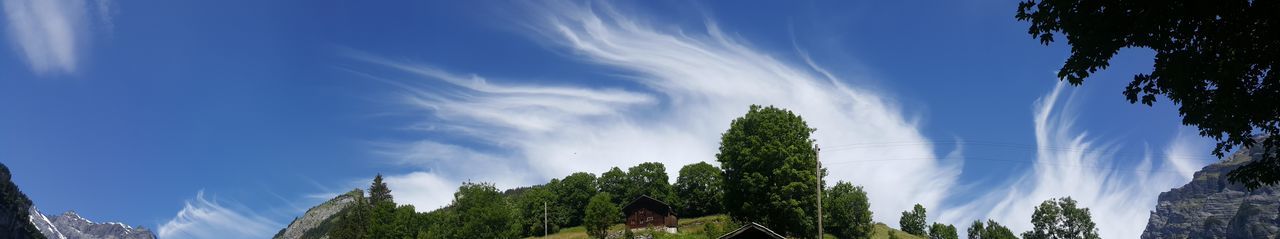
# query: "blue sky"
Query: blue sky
{"points": [[186, 116]]}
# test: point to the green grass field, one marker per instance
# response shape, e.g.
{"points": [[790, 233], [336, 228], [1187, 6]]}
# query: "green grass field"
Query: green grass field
{"points": [[695, 228]]}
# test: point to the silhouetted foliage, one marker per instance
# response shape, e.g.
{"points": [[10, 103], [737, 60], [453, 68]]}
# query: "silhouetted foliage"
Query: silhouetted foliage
{"points": [[698, 190], [992, 230], [601, 213], [1216, 59], [769, 161], [914, 221], [847, 211], [1061, 219]]}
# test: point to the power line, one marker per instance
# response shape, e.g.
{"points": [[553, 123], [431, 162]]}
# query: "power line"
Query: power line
{"points": [[1111, 151]]}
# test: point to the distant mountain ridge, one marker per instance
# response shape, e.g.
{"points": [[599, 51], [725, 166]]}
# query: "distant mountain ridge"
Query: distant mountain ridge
{"points": [[1212, 207], [319, 220], [70, 225], [14, 210]]}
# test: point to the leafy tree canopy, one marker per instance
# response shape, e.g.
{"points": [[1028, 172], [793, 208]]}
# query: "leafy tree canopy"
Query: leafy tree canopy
{"points": [[769, 160], [913, 221], [698, 189], [616, 184], [1215, 59], [1061, 219], [574, 192], [601, 213], [848, 214], [943, 231], [992, 230], [649, 179]]}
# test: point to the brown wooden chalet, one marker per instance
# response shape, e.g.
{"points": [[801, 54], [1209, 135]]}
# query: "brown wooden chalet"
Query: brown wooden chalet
{"points": [[752, 231], [647, 212]]}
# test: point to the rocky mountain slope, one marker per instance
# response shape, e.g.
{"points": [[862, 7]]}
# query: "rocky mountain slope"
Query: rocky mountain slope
{"points": [[318, 220], [70, 225], [1212, 207], [15, 220]]}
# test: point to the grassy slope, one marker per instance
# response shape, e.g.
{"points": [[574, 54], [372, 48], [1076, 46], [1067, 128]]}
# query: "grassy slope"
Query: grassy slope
{"points": [[693, 228]]}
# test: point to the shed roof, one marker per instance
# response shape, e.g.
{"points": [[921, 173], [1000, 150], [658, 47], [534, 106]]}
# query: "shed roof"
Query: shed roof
{"points": [[752, 231]]}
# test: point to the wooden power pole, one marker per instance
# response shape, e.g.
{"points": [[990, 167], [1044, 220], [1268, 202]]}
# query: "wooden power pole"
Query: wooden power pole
{"points": [[544, 219], [818, 169]]}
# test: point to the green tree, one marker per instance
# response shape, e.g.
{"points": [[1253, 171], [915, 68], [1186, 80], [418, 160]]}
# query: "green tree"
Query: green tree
{"points": [[1061, 219], [573, 194], [991, 230], [649, 179], [913, 221], [482, 212], [378, 191], [847, 211], [406, 222], [601, 213], [381, 220], [615, 183], [698, 190], [353, 221], [769, 160], [530, 208], [943, 231], [1217, 60]]}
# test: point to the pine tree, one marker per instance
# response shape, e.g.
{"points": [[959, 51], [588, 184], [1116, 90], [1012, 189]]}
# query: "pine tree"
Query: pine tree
{"points": [[378, 192]]}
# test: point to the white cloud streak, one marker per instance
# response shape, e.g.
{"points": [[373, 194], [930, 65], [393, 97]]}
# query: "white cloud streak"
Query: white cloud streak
{"points": [[1070, 163], [51, 35], [203, 218], [693, 83]]}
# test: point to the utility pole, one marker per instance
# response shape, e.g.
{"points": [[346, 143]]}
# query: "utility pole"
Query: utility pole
{"points": [[818, 169], [544, 219]]}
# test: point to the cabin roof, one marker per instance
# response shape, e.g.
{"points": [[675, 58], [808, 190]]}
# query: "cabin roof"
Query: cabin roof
{"points": [[752, 230], [644, 200]]}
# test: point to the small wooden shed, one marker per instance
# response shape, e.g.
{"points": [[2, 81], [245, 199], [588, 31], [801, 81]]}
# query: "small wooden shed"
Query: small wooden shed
{"points": [[752, 231], [647, 212]]}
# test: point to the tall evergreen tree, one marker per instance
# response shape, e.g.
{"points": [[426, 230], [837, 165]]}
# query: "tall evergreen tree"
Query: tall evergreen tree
{"points": [[378, 191]]}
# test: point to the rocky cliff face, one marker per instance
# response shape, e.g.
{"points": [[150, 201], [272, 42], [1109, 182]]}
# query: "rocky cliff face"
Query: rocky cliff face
{"points": [[318, 220], [70, 225], [15, 220], [1212, 207]]}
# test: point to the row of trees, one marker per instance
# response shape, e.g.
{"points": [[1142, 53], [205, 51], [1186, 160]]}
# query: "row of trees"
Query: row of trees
{"points": [[480, 210], [1052, 219], [769, 175]]}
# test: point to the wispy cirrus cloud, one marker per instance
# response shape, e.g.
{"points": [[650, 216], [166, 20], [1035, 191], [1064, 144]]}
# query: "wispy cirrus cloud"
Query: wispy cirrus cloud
{"points": [[51, 35], [1119, 193], [207, 218], [690, 84]]}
